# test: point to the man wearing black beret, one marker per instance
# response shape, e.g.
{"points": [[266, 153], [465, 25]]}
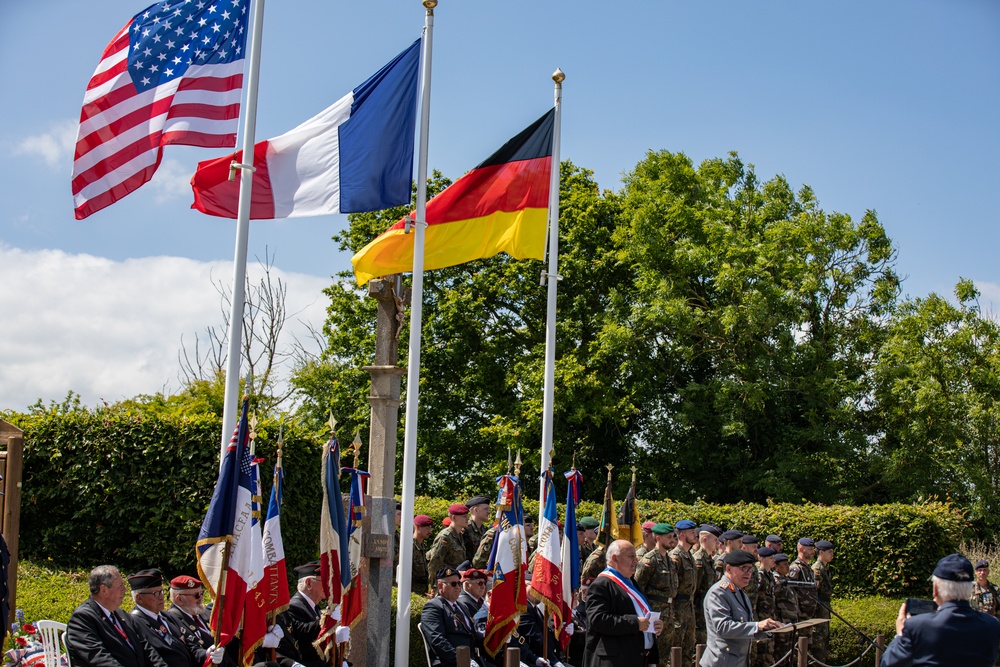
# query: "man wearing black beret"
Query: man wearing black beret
{"points": [[162, 637], [955, 634], [302, 620], [820, 645], [479, 512], [443, 623], [985, 596], [729, 615]]}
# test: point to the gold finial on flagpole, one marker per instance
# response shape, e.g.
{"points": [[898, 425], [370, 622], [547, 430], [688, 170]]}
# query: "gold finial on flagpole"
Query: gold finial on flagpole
{"points": [[357, 448], [429, 5], [517, 464], [333, 424], [558, 76]]}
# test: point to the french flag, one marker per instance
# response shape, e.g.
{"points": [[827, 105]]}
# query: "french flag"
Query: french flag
{"points": [[274, 586], [335, 566], [352, 606], [546, 578], [228, 527], [355, 156]]}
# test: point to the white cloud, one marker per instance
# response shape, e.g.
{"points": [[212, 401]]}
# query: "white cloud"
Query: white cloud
{"points": [[172, 180], [989, 297], [112, 330], [54, 147]]}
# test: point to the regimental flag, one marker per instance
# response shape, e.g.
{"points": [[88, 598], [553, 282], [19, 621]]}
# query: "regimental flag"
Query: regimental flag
{"points": [[500, 206], [335, 569], [172, 75], [274, 586], [546, 578], [232, 504], [355, 156], [254, 613], [352, 608], [629, 526], [509, 566], [608, 530], [570, 543]]}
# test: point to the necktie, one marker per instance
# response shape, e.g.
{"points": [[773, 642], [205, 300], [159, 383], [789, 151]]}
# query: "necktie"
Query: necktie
{"points": [[164, 630], [460, 615], [121, 632]]}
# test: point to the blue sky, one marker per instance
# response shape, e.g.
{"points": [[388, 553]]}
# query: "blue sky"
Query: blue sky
{"points": [[888, 105]]}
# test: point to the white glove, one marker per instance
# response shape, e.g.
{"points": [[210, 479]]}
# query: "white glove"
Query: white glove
{"points": [[297, 664], [216, 654], [541, 662], [559, 664], [335, 614], [271, 640], [276, 631], [570, 629], [473, 663], [343, 634]]}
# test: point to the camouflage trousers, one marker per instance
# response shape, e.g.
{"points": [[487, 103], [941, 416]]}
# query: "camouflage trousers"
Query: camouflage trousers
{"points": [[780, 645], [684, 636], [701, 633], [762, 653], [668, 637], [819, 644]]}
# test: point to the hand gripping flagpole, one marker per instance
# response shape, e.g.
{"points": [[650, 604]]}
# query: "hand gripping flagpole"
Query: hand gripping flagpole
{"points": [[413, 360], [242, 233], [553, 278]]}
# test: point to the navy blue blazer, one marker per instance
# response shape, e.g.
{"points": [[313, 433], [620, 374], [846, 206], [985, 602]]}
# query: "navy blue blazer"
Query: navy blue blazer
{"points": [[955, 635]]}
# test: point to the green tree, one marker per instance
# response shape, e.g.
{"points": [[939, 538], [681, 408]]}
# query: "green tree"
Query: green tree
{"points": [[749, 322], [937, 391]]}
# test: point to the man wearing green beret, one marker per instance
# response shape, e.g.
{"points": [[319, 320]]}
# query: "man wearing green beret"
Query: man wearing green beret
{"points": [[656, 577], [587, 537]]}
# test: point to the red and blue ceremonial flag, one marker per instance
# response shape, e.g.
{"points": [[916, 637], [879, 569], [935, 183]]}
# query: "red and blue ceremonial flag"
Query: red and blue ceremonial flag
{"points": [[225, 528], [509, 598], [335, 569], [352, 608], [546, 577], [274, 586], [570, 543], [354, 156], [254, 613], [172, 75]]}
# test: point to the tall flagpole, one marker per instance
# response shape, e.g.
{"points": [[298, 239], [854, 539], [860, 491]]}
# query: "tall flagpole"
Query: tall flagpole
{"points": [[242, 233], [413, 360], [553, 278]]}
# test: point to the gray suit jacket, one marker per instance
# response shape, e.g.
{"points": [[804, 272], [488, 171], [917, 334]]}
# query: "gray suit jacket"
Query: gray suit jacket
{"points": [[730, 625]]}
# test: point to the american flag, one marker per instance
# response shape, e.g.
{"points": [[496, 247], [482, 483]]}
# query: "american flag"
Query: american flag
{"points": [[172, 75]]}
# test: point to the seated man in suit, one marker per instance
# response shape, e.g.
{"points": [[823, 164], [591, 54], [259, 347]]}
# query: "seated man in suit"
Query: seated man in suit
{"points": [[955, 634], [619, 630], [473, 591], [530, 639], [188, 614], [445, 626], [147, 593], [100, 634], [302, 623]]}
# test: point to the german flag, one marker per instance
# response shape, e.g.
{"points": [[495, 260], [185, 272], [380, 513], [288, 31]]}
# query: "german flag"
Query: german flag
{"points": [[500, 206]]}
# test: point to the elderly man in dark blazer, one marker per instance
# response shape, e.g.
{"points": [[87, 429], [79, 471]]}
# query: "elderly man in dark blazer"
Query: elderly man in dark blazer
{"points": [[444, 624], [954, 635], [619, 630], [729, 615], [100, 634]]}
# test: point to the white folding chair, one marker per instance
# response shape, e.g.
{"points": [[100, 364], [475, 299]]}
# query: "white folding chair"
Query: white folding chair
{"points": [[49, 632]]}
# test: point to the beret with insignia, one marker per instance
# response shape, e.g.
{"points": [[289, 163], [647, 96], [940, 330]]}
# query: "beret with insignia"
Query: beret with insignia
{"points": [[184, 582]]}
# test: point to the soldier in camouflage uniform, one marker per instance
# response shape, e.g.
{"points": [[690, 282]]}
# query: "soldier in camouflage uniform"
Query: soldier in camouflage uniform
{"points": [[648, 540], [801, 570], [479, 512], [765, 607], [656, 577], [448, 549], [687, 586], [984, 593], [787, 605], [422, 525], [586, 537], [732, 540], [529, 532], [750, 545], [596, 562], [482, 557], [708, 537], [820, 646]]}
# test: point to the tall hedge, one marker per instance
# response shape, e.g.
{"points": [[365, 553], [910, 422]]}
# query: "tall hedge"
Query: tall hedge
{"points": [[128, 488], [885, 550], [132, 490]]}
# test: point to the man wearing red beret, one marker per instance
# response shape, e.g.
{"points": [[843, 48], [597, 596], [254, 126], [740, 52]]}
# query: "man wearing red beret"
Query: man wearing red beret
{"points": [[448, 549], [422, 525]]}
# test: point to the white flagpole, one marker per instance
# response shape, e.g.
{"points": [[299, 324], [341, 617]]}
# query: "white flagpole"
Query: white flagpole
{"points": [[553, 278], [242, 234], [413, 360]]}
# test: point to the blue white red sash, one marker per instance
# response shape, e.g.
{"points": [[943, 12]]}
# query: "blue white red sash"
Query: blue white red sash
{"points": [[638, 599]]}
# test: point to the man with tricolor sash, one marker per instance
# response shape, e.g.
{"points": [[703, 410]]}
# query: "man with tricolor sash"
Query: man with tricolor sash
{"points": [[621, 632]]}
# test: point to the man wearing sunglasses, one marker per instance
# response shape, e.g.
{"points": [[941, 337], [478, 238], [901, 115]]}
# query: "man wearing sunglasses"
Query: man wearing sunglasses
{"points": [[729, 615], [188, 613], [444, 624], [161, 635]]}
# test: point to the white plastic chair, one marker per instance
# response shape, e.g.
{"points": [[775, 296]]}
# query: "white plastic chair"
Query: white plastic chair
{"points": [[49, 632], [65, 649], [427, 650]]}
